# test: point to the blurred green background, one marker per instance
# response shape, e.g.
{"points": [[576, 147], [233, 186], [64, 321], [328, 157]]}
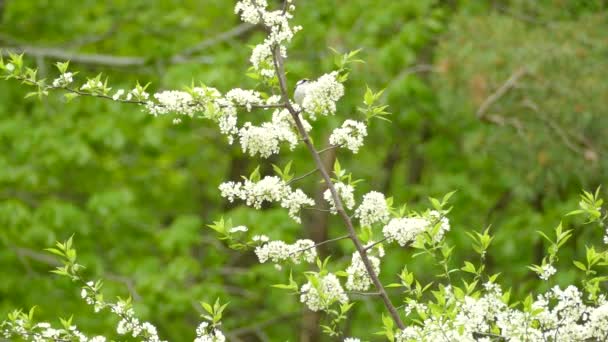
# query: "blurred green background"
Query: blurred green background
{"points": [[137, 192]]}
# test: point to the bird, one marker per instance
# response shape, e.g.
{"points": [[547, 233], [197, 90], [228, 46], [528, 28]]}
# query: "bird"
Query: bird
{"points": [[301, 89]]}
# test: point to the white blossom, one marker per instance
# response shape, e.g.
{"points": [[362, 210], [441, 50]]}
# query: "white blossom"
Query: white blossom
{"points": [[280, 33], [173, 101], [350, 135], [261, 59], [372, 209], [206, 333], [346, 194], [268, 189], [294, 203], [98, 339], [137, 94], [92, 84], [63, 80], [437, 218], [358, 278], [404, 230], [547, 271], [265, 140], [322, 95], [245, 98], [597, 325], [119, 93], [328, 292], [279, 251]]}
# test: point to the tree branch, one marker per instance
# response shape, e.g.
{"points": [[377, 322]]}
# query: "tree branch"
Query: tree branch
{"points": [[329, 148], [95, 59], [302, 176], [220, 38], [510, 83], [321, 244]]}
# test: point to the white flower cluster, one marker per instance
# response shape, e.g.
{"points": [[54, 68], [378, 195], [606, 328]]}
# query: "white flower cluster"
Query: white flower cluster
{"points": [[322, 95], [294, 203], [205, 101], [405, 230], [119, 93], [92, 84], [244, 98], [284, 116], [206, 333], [90, 297], [346, 193], [174, 101], [358, 278], [280, 33], [279, 251], [559, 315], [352, 339], [129, 324], [436, 218], [321, 297], [350, 135], [63, 80], [373, 209], [547, 271], [269, 189], [265, 140], [137, 94], [180, 102], [24, 330]]}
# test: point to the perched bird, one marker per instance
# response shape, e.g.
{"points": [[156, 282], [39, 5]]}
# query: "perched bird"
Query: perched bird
{"points": [[301, 89]]}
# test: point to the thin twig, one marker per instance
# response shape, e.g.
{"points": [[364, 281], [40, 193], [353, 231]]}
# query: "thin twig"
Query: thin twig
{"points": [[328, 148], [96, 59], [370, 246], [220, 38], [108, 97], [321, 244], [504, 88], [302, 176]]}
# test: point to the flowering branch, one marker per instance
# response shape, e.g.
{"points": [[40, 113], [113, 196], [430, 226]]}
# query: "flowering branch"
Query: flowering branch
{"points": [[280, 71]]}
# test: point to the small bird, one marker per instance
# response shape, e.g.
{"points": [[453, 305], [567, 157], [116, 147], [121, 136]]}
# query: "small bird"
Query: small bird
{"points": [[301, 89]]}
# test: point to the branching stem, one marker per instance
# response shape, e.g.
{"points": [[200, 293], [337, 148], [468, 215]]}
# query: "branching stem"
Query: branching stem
{"points": [[293, 180], [322, 243]]}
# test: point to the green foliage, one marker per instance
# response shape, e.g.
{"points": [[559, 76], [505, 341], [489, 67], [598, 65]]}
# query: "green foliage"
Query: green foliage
{"points": [[136, 192]]}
